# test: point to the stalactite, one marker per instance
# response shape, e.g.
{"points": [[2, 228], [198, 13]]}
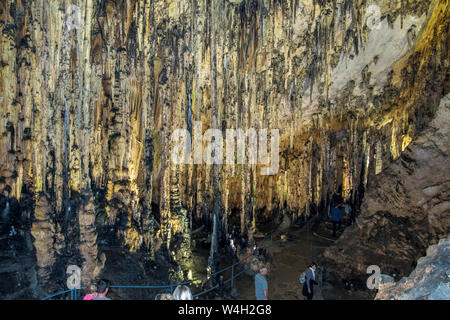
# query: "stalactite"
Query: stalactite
{"points": [[213, 259]]}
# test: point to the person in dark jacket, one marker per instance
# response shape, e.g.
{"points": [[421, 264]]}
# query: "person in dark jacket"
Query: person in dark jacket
{"points": [[308, 286]]}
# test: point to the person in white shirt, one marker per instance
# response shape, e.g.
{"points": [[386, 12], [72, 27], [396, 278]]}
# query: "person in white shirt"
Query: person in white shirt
{"points": [[349, 213]]}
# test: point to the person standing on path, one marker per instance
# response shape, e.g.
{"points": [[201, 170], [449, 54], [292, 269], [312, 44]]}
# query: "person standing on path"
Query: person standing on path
{"points": [[261, 286], [308, 286], [349, 213], [336, 218]]}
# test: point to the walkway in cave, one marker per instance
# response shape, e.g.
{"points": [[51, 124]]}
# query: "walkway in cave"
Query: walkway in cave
{"points": [[289, 258], [290, 255]]}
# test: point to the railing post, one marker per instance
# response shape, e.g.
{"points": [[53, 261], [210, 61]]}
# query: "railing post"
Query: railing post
{"points": [[321, 277], [232, 276], [221, 284], [310, 252]]}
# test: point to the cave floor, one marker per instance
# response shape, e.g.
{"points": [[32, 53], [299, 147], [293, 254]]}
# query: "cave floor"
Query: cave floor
{"points": [[288, 252], [289, 258]]}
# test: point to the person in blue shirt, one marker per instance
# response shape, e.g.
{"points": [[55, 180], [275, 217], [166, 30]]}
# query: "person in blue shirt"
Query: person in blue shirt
{"points": [[261, 287], [102, 290], [336, 218]]}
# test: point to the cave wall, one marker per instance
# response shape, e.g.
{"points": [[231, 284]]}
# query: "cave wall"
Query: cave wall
{"points": [[428, 281], [88, 107], [406, 209]]}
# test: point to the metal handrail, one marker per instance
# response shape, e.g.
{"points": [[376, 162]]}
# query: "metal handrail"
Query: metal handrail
{"points": [[57, 294], [73, 292], [311, 247]]}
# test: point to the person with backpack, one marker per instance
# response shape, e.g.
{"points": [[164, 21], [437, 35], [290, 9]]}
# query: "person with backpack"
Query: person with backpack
{"points": [[308, 278]]}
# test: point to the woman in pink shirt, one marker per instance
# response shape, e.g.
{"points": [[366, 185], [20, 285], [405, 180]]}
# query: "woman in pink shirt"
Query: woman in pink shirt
{"points": [[91, 292]]}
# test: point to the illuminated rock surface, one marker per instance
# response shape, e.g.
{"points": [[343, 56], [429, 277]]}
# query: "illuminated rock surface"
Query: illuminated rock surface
{"points": [[405, 209]]}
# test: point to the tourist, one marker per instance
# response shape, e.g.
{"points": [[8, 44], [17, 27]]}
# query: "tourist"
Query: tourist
{"points": [[91, 292], [182, 293], [336, 218], [261, 287], [308, 286], [163, 296], [102, 290], [337, 198], [349, 213]]}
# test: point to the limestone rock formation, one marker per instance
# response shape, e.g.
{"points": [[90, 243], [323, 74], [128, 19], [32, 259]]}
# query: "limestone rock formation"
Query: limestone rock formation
{"points": [[93, 262], [430, 280], [44, 232], [406, 208]]}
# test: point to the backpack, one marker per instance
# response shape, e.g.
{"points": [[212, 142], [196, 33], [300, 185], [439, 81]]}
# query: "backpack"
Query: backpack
{"points": [[303, 277]]}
